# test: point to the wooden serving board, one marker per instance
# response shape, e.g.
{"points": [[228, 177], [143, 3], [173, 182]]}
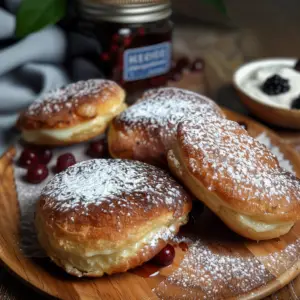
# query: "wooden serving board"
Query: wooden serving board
{"points": [[224, 265]]}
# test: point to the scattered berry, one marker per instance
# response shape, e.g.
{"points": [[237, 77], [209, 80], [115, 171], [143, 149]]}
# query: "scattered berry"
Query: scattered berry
{"points": [[244, 125], [114, 48], [158, 81], [64, 161], [115, 37], [182, 63], [197, 65], [37, 173], [127, 41], [105, 56], [45, 156], [165, 257], [97, 149], [296, 103], [28, 158], [275, 85], [297, 66], [175, 76], [141, 31]]}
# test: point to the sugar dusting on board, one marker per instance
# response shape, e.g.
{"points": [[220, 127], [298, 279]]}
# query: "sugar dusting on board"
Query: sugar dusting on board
{"points": [[213, 271], [70, 95]]}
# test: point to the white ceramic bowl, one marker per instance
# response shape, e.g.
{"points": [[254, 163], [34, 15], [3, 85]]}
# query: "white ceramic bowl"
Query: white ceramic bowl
{"points": [[283, 117]]}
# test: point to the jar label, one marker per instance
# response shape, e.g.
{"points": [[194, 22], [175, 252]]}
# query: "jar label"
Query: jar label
{"points": [[145, 62]]}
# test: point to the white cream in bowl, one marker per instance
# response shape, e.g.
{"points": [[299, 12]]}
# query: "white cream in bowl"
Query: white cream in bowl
{"points": [[250, 77]]}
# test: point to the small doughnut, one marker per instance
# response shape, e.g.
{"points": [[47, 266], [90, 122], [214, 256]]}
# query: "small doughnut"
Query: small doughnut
{"points": [[238, 178], [72, 114], [146, 130], [107, 216]]}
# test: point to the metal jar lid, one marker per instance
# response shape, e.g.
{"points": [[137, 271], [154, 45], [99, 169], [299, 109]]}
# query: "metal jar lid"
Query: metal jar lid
{"points": [[125, 11]]}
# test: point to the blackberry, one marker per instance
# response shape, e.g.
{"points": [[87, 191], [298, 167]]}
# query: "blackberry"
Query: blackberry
{"points": [[275, 85], [296, 103], [297, 65]]}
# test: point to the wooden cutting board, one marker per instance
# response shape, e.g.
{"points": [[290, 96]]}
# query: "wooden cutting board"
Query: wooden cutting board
{"points": [[219, 264]]}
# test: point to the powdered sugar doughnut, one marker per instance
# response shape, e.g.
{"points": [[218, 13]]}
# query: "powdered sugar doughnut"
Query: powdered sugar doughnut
{"points": [[236, 177], [107, 216], [146, 130], [75, 113]]}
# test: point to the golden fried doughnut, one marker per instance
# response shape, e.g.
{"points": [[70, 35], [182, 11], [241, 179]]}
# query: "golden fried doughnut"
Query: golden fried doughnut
{"points": [[236, 177], [107, 216], [72, 114], [146, 130]]}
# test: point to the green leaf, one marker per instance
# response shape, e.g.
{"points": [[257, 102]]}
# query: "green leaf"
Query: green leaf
{"points": [[34, 15], [219, 4]]}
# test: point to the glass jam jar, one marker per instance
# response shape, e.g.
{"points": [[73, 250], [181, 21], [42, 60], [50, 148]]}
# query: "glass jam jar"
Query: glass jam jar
{"points": [[135, 40]]}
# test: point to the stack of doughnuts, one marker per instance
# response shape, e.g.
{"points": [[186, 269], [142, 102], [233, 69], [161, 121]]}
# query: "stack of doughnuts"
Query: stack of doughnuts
{"points": [[106, 216], [233, 174]]}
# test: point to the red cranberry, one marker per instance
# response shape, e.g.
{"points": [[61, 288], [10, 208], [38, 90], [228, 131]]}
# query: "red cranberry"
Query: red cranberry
{"points": [[28, 158], [45, 156], [115, 37], [198, 65], [158, 81], [97, 149], [141, 31], [64, 161], [105, 56], [243, 124], [114, 48], [175, 76], [182, 63], [165, 257], [127, 41], [37, 173]]}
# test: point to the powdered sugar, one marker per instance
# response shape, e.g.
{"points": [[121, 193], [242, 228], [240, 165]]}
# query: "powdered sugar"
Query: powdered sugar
{"points": [[160, 111], [112, 181], [212, 270], [69, 96], [208, 274]]}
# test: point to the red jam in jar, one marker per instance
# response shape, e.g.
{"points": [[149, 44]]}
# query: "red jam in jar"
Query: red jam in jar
{"points": [[135, 40]]}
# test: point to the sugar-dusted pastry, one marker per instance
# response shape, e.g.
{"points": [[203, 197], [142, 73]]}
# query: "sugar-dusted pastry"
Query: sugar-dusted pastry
{"points": [[108, 216], [146, 130], [72, 114], [236, 177]]}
